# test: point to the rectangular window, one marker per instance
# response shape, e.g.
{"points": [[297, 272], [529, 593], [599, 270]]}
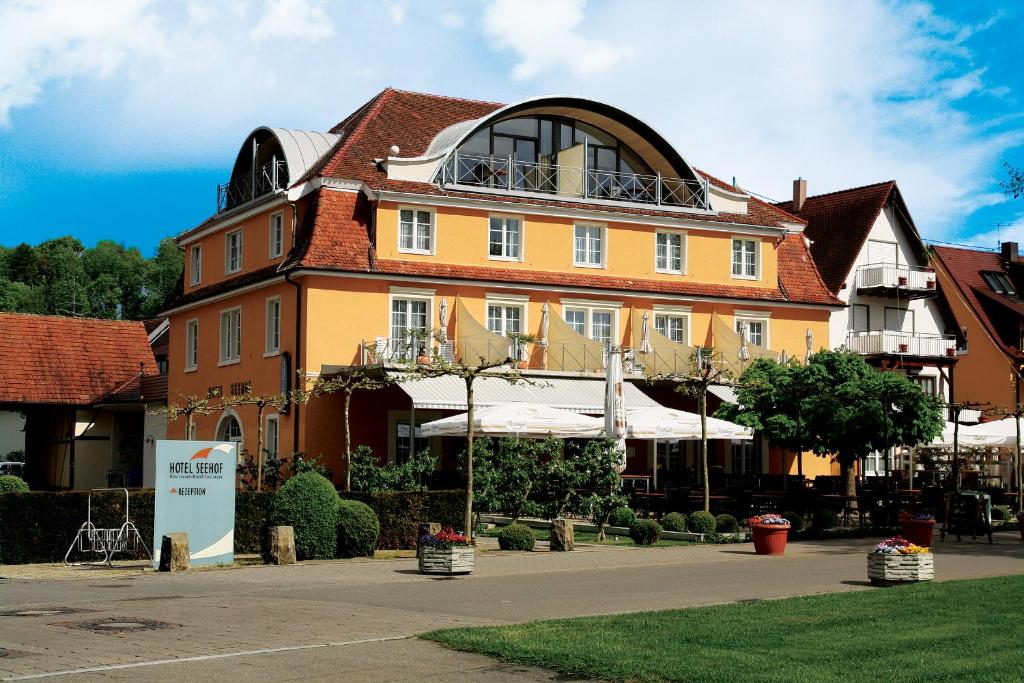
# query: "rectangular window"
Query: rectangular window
{"points": [[899, 319], [273, 325], [927, 384], [415, 231], [882, 252], [742, 456], [505, 238], [672, 326], [597, 323], [757, 331], [191, 344], [577, 320], [195, 265], [409, 319], [503, 319], [601, 326], [670, 456], [589, 246], [276, 235], [744, 258], [668, 255], [402, 445], [999, 283], [861, 317], [270, 441], [233, 252], [231, 335]]}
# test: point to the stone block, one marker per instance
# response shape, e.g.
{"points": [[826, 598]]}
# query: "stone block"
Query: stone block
{"points": [[174, 555], [562, 535], [424, 529], [280, 545]]}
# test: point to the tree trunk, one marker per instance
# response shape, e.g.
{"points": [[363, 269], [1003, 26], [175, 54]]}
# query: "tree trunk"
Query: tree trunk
{"points": [[469, 457], [190, 420], [348, 442], [849, 474], [702, 401]]}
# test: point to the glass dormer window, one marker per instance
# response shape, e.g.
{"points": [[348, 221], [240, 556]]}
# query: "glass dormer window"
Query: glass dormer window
{"points": [[999, 283]]}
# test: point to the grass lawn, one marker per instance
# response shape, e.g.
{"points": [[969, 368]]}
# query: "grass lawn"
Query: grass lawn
{"points": [[955, 630], [588, 537]]}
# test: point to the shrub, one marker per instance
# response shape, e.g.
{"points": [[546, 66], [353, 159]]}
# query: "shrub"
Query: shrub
{"points": [[702, 522], [645, 531], [401, 512], [370, 476], [12, 484], [726, 524], [1000, 513], [252, 517], [516, 537], [674, 521], [309, 504], [825, 519], [623, 517], [796, 522], [358, 529]]}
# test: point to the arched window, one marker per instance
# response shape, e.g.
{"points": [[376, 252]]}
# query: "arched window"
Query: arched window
{"points": [[230, 429]]}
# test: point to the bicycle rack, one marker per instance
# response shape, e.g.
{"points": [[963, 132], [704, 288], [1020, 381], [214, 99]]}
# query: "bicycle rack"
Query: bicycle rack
{"points": [[106, 542]]}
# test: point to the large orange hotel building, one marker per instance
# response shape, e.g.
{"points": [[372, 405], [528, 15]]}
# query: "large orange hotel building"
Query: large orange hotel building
{"points": [[560, 218]]}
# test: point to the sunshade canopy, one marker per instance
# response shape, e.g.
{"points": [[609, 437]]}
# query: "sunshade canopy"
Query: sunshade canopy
{"points": [[996, 433], [678, 425], [517, 419]]}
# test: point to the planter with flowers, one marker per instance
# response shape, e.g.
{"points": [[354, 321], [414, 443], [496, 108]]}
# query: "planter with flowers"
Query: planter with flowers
{"points": [[770, 534], [446, 552], [917, 527], [896, 560]]}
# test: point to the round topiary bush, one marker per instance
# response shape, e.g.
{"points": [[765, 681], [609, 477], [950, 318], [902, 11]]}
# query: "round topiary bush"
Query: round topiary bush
{"points": [[645, 531], [309, 504], [796, 522], [358, 529], [726, 524], [516, 537], [622, 516], [12, 484], [702, 523], [1001, 513], [674, 521], [825, 519]]}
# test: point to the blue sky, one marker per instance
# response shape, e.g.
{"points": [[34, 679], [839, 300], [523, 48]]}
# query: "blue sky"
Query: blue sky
{"points": [[119, 118]]}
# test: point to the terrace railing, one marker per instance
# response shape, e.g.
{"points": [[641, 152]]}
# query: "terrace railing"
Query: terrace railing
{"points": [[510, 175], [890, 275], [269, 177], [891, 342]]}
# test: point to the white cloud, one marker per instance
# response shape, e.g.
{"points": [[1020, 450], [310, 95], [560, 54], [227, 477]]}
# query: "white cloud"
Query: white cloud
{"points": [[452, 20], [293, 19], [1011, 231], [546, 36], [397, 13]]}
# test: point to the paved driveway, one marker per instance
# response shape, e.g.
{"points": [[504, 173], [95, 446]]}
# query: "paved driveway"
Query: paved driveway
{"points": [[352, 620]]}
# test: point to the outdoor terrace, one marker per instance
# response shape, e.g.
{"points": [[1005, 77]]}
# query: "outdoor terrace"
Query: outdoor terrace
{"points": [[270, 177], [896, 343], [892, 280]]}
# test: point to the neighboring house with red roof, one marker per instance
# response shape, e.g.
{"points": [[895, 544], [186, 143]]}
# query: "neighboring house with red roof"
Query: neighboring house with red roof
{"points": [[86, 389], [562, 218], [984, 291], [871, 256]]}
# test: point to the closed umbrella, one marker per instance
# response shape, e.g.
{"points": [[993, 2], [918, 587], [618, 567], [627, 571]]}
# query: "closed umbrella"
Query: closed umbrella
{"points": [[809, 337], [614, 406], [442, 335], [744, 352], [645, 334]]}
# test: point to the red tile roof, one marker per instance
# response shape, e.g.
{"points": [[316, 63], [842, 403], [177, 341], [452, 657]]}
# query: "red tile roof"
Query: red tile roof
{"points": [[71, 361], [838, 224], [965, 267]]}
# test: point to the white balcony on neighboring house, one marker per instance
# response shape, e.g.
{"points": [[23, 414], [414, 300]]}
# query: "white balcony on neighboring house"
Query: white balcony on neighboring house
{"points": [[892, 280], [509, 175], [907, 344]]}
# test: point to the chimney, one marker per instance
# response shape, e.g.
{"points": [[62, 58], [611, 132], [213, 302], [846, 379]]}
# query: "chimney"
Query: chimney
{"points": [[799, 194], [1009, 252]]}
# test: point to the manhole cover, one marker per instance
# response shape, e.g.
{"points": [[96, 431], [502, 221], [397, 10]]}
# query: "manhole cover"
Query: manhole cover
{"points": [[120, 625], [41, 612]]}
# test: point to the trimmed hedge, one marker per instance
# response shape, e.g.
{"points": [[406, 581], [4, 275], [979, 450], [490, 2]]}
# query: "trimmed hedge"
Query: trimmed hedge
{"points": [[309, 504], [674, 521], [401, 512], [252, 517], [702, 522], [623, 517], [10, 483], [796, 522], [726, 524], [645, 532], [516, 537], [824, 519], [358, 529]]}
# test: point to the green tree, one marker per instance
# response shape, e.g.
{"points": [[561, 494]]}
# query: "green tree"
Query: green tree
{"points": [[162, 277], [119, 272], [65, 283], [1013, 186], [506, 471], [597, 478], [23, 265], [18, 297]]}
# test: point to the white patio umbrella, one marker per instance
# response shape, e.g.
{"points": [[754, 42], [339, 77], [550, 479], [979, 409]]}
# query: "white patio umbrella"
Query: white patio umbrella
{"points": [[987, 434], [517, 419], [667, 424], [615, 406]]}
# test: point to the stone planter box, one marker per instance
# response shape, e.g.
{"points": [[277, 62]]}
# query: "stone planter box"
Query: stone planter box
{"points": [[457, 560], [888, 570]]}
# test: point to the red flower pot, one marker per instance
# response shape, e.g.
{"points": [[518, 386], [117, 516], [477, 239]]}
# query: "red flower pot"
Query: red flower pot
{"points": [[918, 531], [770, 539]]}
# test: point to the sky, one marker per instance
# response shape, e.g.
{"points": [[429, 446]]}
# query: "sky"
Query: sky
{"points": [[118, 119]]}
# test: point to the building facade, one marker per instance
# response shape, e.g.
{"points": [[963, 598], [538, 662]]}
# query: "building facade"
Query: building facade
{"points": [[545, 231]]}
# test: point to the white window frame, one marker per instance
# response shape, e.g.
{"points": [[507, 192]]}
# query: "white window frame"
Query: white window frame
{"points": [[763, 317], [432, 235], [228, 270], [195, 275], [603, 233], [408, 293], [276, 224], [683, 312], [682, 252], [276, 419], [522, 237], [191, 344], [590, 307], [271, 348], [853, 317], [508, 300], [224, 352], [757, 257]]}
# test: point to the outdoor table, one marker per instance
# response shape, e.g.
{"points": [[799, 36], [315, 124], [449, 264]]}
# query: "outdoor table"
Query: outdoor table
{"points": [[648, 499], [715, 501], [845, 501], [645, 478]]}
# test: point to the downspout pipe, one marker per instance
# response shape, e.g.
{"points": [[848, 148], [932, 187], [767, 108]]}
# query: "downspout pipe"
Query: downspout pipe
{"points": [[297, 353]]}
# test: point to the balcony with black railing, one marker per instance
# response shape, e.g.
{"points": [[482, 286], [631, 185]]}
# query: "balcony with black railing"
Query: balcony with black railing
{"points": [[242, 189]]}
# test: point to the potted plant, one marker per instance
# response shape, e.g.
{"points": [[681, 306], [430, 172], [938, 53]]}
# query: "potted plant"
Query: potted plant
{"points": [[896, 560], [519, 342], [770, 534], [419, 341], [929, 284], [902, 280], [917, 527], [904, 348], [446, 552]]}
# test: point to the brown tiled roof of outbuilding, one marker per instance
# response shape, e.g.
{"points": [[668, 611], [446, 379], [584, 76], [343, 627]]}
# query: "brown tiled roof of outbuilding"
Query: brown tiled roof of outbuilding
{"points": [[72, 361]]}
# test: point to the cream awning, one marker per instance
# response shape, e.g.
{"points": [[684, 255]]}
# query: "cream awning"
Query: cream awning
{"points": [[517, 419]]}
